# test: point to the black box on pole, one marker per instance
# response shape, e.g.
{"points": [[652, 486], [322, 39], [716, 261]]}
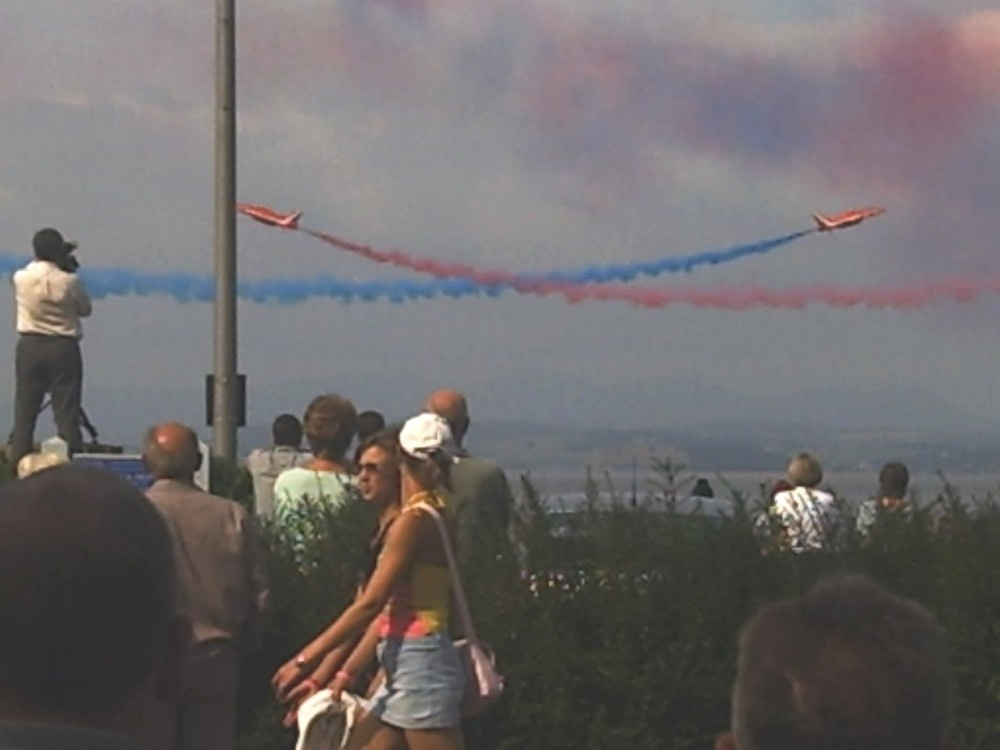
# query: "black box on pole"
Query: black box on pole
{"points": [[241, 400]]}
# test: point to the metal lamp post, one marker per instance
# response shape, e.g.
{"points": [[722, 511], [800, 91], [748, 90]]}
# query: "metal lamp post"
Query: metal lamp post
{"points": [[224, 418]]}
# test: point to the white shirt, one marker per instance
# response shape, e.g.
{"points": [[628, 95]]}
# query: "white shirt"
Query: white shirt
{"points": [[809, 517], [264, 465], [50, 301]]}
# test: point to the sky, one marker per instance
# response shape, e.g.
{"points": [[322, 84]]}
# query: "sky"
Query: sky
{"points": [[522, 135]]}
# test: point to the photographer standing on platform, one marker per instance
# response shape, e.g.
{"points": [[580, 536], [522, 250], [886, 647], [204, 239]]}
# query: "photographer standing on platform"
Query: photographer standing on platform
{"points": [[51, 299]]}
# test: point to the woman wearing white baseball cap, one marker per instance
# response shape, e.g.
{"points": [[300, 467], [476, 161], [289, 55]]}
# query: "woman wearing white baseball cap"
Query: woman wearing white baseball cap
{"points": [[407, 599]]}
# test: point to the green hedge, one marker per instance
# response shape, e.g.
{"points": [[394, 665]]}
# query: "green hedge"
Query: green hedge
{"points": [[618, 629]]}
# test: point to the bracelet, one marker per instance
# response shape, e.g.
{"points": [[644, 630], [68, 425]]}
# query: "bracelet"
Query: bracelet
{"points": [[343, 674], [311, 683]]}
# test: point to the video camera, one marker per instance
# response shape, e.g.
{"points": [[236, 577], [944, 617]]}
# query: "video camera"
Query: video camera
{"points": [[68, 262]]}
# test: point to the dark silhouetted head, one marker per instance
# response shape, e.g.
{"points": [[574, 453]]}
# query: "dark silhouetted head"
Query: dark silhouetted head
{"points": [[369, 422], [48, 244], [87, 594], [893, 480], [286, 431], [849, 666], [702, 488]]}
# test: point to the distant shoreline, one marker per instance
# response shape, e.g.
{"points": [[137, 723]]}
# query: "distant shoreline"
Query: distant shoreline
{"points": [[855, 485]]}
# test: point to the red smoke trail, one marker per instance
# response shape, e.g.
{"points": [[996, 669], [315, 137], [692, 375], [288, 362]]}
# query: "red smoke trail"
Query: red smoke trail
{"points": [[438, 269], [542, 283], [903, 297], [906, 297]]}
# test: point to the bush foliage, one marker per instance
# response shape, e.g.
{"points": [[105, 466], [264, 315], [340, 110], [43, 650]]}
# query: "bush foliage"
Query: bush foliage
{"points": [[616, 625]]}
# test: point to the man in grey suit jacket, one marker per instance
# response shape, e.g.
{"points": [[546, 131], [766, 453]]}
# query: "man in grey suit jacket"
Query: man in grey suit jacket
{"points": [[223, 589], [483, 501]]}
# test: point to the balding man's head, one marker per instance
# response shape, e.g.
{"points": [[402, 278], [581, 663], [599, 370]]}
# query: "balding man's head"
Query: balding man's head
{"points": [[86, 594], [171, 451], [452, 406]]}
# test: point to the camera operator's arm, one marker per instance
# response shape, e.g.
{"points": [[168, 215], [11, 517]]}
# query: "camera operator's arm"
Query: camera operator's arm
{"points": [[77, 291], [80, 297]]}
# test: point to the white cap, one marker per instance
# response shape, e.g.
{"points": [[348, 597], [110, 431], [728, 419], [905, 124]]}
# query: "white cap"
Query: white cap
{"points": [[426, 434]]}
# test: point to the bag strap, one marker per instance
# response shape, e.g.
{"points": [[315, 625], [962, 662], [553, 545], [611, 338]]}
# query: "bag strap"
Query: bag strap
{"points": [[464, 615]]}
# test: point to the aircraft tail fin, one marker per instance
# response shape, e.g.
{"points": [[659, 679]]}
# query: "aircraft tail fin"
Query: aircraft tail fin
{"points": [[822, 222]]}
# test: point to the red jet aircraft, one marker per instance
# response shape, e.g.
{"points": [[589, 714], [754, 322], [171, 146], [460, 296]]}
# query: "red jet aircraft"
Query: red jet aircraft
{"points": [[269, 216], [846, 219]]}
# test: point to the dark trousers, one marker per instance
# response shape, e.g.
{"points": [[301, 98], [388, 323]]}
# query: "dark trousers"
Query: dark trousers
{"points": [[47, 364], [204, 717]]}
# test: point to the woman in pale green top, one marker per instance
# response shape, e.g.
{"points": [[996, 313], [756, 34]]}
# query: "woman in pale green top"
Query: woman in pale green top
{"points": [[325, 483]]}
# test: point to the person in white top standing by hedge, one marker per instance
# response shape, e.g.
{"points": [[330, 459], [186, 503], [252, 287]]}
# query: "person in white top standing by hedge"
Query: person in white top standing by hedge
{"points": [[807, 514], [51, 300]]}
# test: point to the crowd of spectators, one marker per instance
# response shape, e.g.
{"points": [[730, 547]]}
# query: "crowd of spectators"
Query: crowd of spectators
{"points": [[802, 517], [847, 665]]}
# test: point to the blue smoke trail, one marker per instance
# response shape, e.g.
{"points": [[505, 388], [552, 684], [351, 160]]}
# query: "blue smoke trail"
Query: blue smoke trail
{"points": [[589, 275], [9, 264], [189, 287], [681, 264], [290, 290]]}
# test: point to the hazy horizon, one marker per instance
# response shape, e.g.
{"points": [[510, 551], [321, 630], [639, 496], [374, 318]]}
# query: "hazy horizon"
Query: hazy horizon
{"points": [[122, 414]]}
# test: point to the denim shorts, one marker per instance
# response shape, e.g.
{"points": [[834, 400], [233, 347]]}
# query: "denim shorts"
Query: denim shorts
{"points": [[423, 684]]}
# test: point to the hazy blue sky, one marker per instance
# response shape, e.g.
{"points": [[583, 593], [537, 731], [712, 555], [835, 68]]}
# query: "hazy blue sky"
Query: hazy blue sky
{"points": [[519, 134]]}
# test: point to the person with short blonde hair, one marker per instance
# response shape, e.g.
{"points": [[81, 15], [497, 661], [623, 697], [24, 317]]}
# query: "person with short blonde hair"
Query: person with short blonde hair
{"points": [[805, 471], [807, 515], [33, 463]]}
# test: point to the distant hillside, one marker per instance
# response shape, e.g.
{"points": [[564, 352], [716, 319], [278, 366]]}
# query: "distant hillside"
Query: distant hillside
{"points": [[704, 427], [733, 447], [667, 403]]}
